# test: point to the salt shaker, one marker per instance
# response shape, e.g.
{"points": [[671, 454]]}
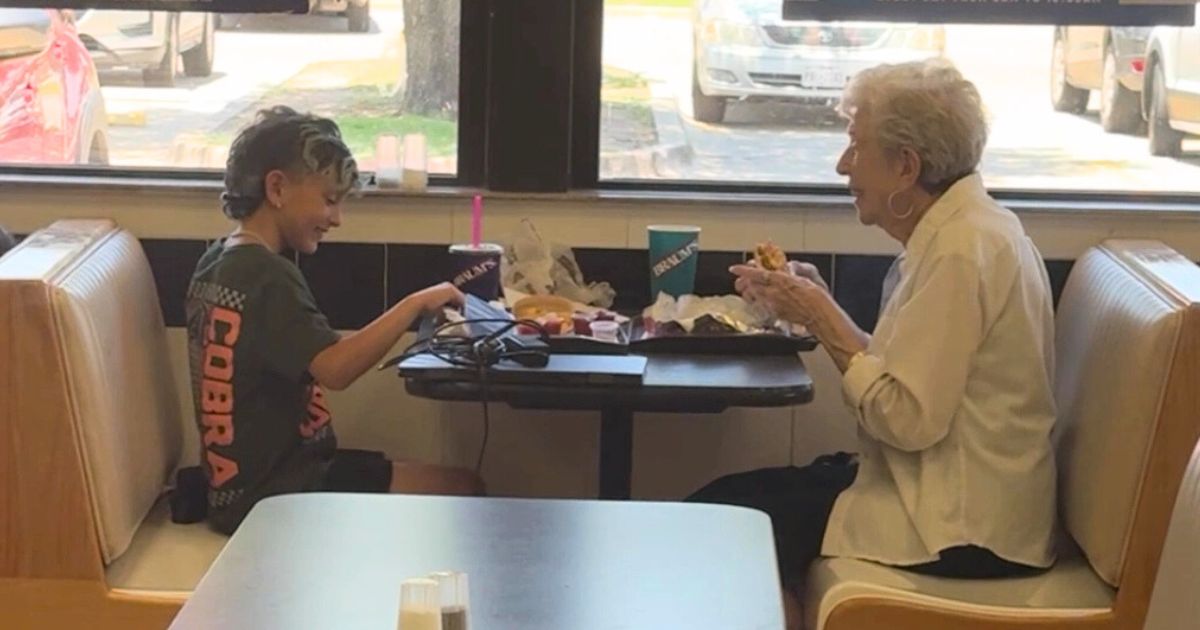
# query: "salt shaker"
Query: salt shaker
{"points": [[420, 607], [414, 176], [387, 162], [454, 600]]}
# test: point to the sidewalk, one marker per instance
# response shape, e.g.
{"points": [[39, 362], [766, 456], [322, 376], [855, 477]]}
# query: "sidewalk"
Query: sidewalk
{"points": [[665, 158]]}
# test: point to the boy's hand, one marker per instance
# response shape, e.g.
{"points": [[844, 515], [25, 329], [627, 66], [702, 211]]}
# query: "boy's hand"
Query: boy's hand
{"points": [[437, 296]]}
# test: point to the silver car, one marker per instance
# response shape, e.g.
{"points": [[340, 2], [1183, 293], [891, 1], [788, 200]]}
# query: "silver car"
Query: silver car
{"points": [[744, 49], [1110, 59], [150, 41], [357, 13], [1172, 96]]}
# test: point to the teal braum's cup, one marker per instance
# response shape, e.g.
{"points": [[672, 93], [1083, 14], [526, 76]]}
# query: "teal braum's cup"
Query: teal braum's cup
{"points": [[673, 253]]}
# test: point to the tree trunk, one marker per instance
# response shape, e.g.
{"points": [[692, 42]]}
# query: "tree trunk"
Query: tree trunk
{"points": [[431, 32]]}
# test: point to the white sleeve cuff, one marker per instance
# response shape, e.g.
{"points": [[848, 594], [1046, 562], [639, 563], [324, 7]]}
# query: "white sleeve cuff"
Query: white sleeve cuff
{"points": [[859, 378]]}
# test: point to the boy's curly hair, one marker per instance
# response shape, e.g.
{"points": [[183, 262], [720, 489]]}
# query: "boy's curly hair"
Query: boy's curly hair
{"points": [[280, 138]]}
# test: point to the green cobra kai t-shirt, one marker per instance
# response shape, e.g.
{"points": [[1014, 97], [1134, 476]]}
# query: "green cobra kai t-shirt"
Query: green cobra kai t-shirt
{"points": [[253, 330]]}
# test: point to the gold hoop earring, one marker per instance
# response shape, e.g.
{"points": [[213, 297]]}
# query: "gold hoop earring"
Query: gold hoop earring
{"points": [[911, 207]]}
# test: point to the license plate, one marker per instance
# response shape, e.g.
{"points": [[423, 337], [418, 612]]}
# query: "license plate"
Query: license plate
{"points": [[825, 78]]}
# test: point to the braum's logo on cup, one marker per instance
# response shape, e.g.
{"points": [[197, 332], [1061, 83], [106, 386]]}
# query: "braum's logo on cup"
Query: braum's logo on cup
{"points": [[473, 272], [674, 259]]}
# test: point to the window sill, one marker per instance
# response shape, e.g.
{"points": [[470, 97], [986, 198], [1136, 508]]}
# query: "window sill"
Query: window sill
{"points": [[703, 200]]}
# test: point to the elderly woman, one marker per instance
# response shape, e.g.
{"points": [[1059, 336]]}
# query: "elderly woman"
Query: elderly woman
{"points": [[952, 391]]}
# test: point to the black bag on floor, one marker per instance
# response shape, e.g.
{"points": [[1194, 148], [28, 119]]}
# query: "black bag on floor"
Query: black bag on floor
{"points": [[189, 499]]}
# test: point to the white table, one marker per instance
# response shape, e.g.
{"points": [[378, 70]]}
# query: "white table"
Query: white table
{"points": [[326, 561]]}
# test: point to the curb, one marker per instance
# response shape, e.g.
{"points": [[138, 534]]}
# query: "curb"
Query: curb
{"points": [[192, 153], [663, 160], [127, 118]]}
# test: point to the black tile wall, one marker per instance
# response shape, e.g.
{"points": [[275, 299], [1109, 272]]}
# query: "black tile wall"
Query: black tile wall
{"points": [[627, 270], [1058, 270], [9, 240], [347, 281], [713, 277], [414, 267], [172, 262], [858, 284]]}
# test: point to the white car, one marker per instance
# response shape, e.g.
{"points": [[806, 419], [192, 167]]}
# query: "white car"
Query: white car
{"points": [[357, 12], [744, 49], [1171, 100], [150, 41]]}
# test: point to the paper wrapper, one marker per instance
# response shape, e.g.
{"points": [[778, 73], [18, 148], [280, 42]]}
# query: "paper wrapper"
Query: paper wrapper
{"points": [[729, 310]]}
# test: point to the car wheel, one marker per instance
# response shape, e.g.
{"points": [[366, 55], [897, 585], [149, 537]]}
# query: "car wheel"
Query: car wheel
{"points": [[709, 109], [1164, 140], [97, 152], [1064, 96], [359, 17], [163, 75], [1120, 111], [198, 62]]}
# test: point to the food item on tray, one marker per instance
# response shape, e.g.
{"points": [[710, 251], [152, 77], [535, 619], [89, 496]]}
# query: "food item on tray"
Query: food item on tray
{"points": [[714, 315], [582, 324], [551, 323], [705, 325], [696, 316], [549, 313], [605, 330], [536, 306], [770, 257]]}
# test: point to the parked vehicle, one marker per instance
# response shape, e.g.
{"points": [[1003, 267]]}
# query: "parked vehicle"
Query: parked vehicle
{"points": [[357, 12], [150, 41], [745, 50], [51, 107], [1110, 59], [1172, 97]]}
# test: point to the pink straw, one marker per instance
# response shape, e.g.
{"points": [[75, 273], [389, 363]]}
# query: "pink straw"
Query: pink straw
{"points": [[476, 220]]}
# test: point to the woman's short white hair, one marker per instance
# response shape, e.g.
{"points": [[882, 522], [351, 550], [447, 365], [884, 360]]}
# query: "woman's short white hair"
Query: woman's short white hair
{"points": [[927, 106]]}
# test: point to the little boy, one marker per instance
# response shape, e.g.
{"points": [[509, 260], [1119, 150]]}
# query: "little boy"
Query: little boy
{"points": [[262, 353]]}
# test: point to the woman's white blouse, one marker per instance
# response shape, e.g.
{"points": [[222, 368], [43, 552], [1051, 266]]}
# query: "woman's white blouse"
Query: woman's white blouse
{"points": [[954, 399]]}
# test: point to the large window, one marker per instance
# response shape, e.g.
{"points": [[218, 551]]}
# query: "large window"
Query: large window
{"points": [[669, 93], [725, 90], [173, 88]]}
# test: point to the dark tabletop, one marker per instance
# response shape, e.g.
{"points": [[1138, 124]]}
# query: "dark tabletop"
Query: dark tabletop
{"points": [[679, 383], [325, 561]]}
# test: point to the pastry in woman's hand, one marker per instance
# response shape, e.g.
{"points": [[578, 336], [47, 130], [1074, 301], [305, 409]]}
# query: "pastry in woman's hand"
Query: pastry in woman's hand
{"points": [[768, 256]]}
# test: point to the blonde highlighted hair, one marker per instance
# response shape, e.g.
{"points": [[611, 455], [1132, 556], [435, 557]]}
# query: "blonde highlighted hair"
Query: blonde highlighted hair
{"points": [[928, 107]]}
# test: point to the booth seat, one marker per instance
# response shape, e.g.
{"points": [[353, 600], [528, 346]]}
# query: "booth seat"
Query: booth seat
{"points": [[1128, 368], [90, 436]]}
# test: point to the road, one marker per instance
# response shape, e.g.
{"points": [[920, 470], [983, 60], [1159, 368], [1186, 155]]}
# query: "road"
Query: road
{"points": [[1031, 146]]}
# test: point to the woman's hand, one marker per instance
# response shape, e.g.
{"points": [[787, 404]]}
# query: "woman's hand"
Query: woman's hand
{"points": [[808, 271], [433, 298], [790, 296], [797, 298]]}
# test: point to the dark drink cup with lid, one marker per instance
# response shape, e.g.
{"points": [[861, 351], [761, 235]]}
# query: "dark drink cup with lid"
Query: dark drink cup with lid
{"points": [[475, 269]]}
